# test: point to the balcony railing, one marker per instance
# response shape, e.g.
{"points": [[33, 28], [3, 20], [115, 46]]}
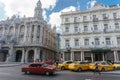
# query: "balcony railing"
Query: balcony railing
{"points": [[95, 19], [85, 20], [93, 32], [105, 18], [93, 46]]}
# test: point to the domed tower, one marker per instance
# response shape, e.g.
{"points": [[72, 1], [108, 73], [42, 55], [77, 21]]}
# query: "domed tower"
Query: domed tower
{"points": [[38, 10]]}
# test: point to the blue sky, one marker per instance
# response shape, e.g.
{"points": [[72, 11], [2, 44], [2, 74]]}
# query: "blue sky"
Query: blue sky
{"points": [[51, 8]]}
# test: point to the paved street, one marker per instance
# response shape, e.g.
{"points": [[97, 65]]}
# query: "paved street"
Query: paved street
{"points": [[14, 73]]}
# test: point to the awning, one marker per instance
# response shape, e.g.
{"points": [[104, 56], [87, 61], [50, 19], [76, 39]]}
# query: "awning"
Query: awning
{"points": [[100, 50]]}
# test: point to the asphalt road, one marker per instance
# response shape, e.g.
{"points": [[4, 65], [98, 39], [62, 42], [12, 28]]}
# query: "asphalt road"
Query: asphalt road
{"points": [[14, 73]]}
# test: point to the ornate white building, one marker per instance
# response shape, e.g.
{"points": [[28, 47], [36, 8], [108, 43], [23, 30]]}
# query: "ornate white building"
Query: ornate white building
{"points": [[27, 39], [93, 34]]}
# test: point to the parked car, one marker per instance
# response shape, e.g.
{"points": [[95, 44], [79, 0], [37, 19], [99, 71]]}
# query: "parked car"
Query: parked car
{"points": [[64, 65], [39, 68], [49, 62], [79, 66], [116, 65], [102, 66]]}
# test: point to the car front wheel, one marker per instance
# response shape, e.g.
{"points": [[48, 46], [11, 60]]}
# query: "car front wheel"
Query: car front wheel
{"points": [[47, 73], [79, 69], [62, 68], [103, 69], [27, 72]]}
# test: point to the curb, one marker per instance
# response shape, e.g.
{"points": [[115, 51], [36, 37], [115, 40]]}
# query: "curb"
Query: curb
{"points": [[110, 73]]}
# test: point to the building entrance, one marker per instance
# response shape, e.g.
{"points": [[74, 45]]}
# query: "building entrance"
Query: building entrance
{"points": [[18, 56], [31, 56], [3, 55], [98, 57]]}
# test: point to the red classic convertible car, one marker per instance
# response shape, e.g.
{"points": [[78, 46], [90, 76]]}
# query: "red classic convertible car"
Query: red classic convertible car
{"points": [[39, 68]]}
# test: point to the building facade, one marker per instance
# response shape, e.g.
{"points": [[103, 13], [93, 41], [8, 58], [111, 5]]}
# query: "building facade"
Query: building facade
{"points": [[27, 39], [93, 34]]}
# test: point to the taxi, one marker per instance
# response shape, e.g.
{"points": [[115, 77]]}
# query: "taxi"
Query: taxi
{"points": [[102, 66], [116, 65], [64, 65], [79, 66]]}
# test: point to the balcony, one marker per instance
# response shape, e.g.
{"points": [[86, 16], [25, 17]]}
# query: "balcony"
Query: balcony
{"points": [[93, 47], [114, 17], [95, 19], [105, 18], [96, 31], [76, 32], [116, 30], [76, 21], [85, 20]]}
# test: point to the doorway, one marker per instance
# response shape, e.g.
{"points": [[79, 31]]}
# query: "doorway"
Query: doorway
{"points": [[98, 57], [31, 56], [18, 56]]}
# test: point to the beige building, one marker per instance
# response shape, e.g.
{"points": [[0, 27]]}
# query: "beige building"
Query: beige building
{"points": [[93, 34], [27, 39]]}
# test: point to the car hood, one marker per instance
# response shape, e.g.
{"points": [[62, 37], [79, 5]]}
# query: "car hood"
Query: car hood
{"points": [[49, 67], [25, 66]]}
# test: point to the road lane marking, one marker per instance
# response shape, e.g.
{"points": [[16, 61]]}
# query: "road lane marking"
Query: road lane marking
{"points": [[88, 79]]}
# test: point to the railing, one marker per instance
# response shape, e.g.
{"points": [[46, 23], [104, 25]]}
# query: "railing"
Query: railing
{"points": [[95, 19], [93, 46], [105, 18], [93, 32]]}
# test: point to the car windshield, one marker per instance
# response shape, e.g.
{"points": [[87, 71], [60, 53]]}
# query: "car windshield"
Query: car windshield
{"points": [[97, 62], [45, 65], [67, 62], [75, 62]]}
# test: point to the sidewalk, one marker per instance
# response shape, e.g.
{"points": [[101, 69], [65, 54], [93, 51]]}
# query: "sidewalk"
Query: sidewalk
{"points": [[10, 64], [115, 72]]}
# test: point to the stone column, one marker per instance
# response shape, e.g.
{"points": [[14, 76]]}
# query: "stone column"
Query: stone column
{"points": [[35, 34], [72, 56], [103, 56], [92, 57], [18, 34], [82, 56], [26, 56], [3, 30], [23, 56], [10, 54], [37, 54], [14, 29], [63, 55], [41, 34], [25, 33], [115, 57], [30, 34], [43, 56]]}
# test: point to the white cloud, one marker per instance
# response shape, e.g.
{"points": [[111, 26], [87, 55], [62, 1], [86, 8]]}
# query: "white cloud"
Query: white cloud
{"points": [[25, 7], [71, 8], [91, 3], [48, 4], [55, 16], [55, 19]]}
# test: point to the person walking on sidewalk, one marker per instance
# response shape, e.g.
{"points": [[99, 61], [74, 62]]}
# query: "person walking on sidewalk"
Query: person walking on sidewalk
{"points": [[96, 70]]}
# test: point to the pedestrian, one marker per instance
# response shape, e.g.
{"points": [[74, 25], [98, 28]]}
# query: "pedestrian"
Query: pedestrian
{"points": [[56, 62], [96, 70]]}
